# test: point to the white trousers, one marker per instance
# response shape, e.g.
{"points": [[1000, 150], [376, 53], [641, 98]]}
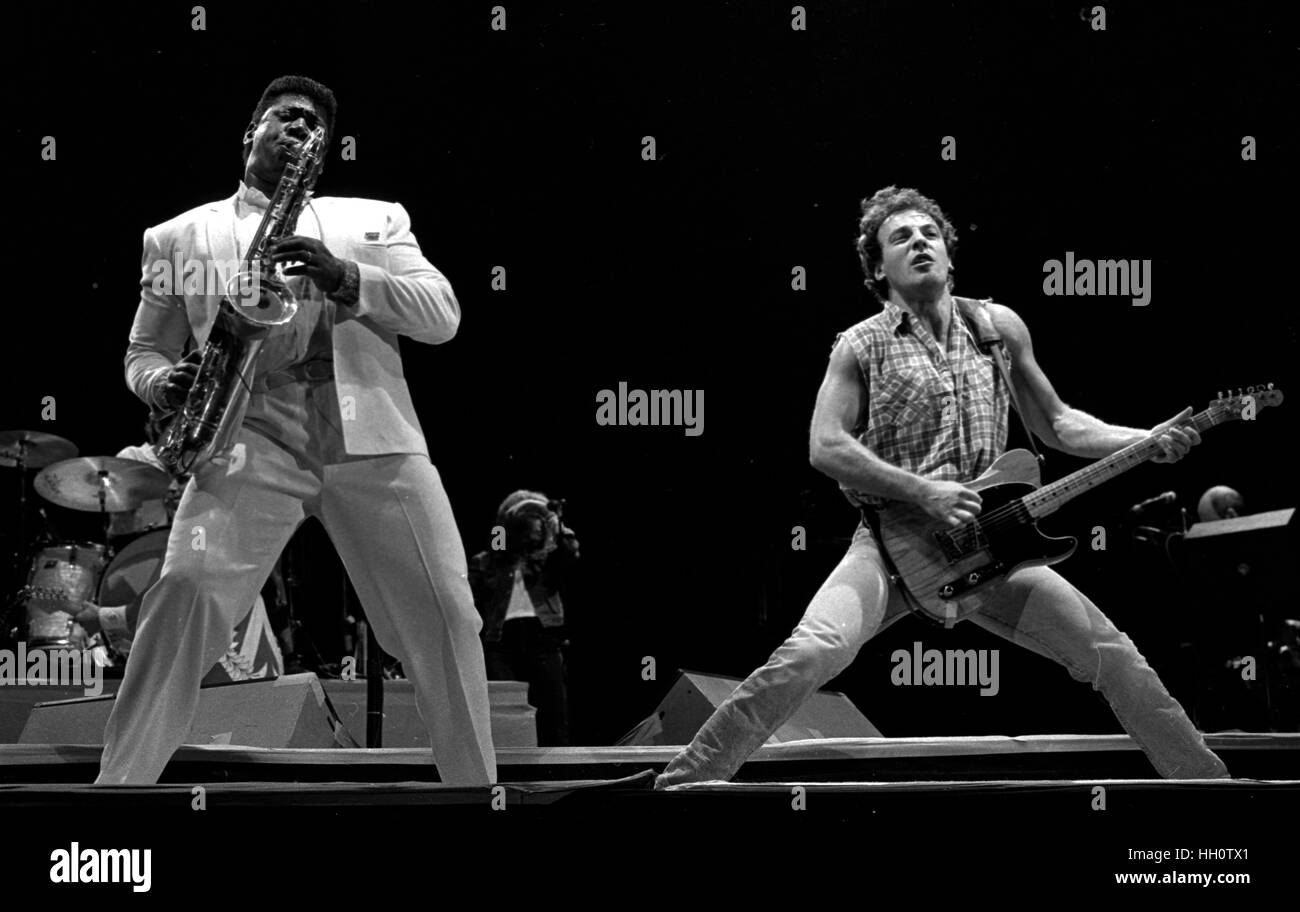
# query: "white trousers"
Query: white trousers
{"points": [[391, 522]]}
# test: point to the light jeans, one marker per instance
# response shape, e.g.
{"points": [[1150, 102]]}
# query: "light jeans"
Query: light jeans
{"points": [[1035, 608]]}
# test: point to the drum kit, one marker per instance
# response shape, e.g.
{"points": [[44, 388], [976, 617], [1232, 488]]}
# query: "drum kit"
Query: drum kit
{"points": [[61, 575]]}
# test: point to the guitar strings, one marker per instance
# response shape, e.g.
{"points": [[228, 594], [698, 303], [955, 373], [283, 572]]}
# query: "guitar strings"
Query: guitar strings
{"points": [[1006, 514]]}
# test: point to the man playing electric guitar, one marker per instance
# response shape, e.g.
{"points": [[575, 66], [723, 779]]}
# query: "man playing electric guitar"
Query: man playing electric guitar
{"points": [[911, 411]]}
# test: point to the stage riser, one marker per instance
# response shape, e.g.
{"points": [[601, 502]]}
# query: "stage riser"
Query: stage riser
{"points": [[283, 712], [513, 720]]}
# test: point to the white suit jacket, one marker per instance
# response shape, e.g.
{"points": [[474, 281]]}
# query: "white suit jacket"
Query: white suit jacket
{"points": [[402, 294]]}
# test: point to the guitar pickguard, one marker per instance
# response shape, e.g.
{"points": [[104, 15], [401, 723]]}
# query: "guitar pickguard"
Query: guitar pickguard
{"points": [[950, 572]]}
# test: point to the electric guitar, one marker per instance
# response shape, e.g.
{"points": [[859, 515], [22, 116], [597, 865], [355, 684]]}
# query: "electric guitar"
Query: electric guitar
{"points": [[947, 572]]}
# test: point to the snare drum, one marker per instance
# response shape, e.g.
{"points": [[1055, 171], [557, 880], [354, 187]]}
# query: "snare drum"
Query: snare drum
{"points": [[62, 576]]}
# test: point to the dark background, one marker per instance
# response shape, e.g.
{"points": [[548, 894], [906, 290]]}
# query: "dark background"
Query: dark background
{"points": [[522, 149]]}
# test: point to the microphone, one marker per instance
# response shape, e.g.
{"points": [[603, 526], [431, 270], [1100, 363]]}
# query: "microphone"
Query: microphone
{"points": [[1159, 500]]}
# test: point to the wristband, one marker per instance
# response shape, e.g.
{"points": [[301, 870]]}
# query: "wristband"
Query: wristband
{"points": [[157, 386], [349, 290], [113, 619]]}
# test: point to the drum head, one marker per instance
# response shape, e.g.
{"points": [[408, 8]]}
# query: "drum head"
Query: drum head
{"points": [[135, 568], [71, 566], [62, 575]]}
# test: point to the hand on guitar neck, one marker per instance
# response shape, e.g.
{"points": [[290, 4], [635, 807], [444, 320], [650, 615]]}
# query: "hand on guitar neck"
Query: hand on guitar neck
{"points": [[1175, 436], [954, 503]]}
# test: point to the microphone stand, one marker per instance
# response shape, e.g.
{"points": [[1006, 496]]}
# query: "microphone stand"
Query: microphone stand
{"points": [[22, 510], [374, 691], [20, 551], [368, 646], [103, 509]]}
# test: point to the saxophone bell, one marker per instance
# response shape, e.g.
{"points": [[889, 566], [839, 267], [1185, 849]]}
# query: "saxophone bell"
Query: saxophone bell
{"points": [[261, 297]]}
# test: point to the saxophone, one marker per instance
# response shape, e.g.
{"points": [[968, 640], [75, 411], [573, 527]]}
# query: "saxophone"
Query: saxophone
{"points": [[257, 298]]}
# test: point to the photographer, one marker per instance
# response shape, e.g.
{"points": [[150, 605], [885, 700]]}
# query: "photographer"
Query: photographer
{"points": [[516, 585]]}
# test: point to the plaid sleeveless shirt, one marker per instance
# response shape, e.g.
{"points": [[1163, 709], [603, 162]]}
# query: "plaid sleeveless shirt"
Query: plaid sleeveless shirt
{"points": [[937, 411]]}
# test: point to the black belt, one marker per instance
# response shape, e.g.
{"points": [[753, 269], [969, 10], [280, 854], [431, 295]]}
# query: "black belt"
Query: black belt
{"points": [[308, 372]]}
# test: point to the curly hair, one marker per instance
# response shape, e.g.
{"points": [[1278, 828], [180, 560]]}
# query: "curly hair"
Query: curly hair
{"points": [[297, 85], [524, 515], [523, 501], [876, 209]]}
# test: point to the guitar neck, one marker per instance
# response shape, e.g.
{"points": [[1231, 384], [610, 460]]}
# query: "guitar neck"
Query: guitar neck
{"points": [[1051, 497]]}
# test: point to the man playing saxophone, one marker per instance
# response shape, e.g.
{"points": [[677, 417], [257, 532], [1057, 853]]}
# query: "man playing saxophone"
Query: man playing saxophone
{"points": [[328, 429]]}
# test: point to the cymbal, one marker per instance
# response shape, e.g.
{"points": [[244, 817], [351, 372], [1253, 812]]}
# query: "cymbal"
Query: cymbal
{"points": [[38, 448], [125, 483]]}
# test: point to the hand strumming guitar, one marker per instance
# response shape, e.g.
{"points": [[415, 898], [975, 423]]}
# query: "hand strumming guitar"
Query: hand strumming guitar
{"points": [[949, 501]]}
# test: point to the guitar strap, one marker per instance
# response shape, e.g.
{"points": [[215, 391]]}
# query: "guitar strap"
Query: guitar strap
{"points": [[976, 315]]}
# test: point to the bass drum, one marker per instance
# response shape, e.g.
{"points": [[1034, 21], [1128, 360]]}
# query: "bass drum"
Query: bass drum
{"points": [[134, 569], [253, 651]]}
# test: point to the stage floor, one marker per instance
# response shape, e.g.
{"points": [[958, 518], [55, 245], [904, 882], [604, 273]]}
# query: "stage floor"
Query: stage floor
{"points": [[839, 764], [1055, 815]]}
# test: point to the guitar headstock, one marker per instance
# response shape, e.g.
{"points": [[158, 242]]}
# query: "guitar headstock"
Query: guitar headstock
{"points": [[1245, 403]]}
